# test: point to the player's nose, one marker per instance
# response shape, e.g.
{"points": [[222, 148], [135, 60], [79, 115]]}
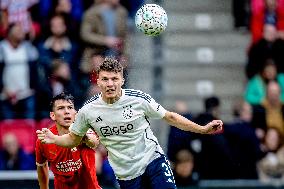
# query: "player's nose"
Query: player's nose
{"points": [[67, 111], [110, 82]]}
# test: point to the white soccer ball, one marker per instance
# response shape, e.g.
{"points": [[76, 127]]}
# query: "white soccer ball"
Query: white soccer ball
{"points": [[151, 19]]}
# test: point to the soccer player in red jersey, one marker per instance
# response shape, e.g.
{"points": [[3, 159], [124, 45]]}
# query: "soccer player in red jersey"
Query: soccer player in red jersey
{"points": [[73, 168]]}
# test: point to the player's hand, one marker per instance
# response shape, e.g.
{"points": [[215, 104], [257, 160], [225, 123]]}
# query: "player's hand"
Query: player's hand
{"points": [[91, 140], [45, 136], [214, 127]]}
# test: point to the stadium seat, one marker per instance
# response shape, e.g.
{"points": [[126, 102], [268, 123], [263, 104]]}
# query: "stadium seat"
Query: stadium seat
{"points": [[44, 123], [24, 129]]}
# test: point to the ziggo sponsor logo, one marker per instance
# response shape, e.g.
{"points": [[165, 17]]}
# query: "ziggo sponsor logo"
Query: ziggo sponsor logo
{"points": [[116, 130]]}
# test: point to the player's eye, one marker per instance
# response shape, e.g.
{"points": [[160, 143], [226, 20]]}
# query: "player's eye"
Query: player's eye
{"points": [[70, 107]]}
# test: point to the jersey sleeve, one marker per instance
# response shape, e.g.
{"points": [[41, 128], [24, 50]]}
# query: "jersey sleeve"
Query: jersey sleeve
{"points": [[153, 110], [40, 158], [80, 125]]}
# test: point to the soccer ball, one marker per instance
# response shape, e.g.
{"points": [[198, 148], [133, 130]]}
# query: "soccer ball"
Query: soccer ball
{"points": [[151, 19]]}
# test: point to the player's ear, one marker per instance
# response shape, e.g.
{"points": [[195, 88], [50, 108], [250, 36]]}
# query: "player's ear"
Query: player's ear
{"points": [[122, 81], [98, 83], [52, 115]]}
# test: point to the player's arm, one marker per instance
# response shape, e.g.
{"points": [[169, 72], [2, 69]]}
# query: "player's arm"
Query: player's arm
{"points": [[42, 175], [185, 124], [68, 140]]}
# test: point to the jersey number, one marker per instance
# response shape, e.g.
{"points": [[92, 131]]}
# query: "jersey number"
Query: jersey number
{"points": [[168, 172]]}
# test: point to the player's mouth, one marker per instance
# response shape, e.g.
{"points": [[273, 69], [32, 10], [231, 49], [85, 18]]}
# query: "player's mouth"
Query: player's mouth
{"points": [[110, 91], [67, 119]]}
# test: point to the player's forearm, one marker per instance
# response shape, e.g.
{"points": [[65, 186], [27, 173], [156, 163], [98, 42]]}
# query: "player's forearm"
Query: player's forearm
{"points": [[43, 177], [67, 140], [183, 123]]}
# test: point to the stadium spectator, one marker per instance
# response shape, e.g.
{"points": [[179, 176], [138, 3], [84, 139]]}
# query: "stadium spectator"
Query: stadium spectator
{"points": [[72, 168], [214, 146], [272, 140], [269, 114], [104, 31], [240, 12], [89, 81], [183, 170], [269, 167], [121, 119], [212, 110], [57, 82], [179, 139], [265, 12], [18, 75], [13, 157], [255, 91], [261, 51], [244, 144], [71, 10], [18, 12], [58, 45], [278, 49], [60, 78]]}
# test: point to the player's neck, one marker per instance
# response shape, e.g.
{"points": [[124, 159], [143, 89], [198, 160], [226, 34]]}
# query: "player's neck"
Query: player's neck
{"points": [[112, 100], [62, 130]]}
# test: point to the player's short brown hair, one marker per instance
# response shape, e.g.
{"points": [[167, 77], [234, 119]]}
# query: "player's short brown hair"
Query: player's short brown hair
{"points": [[110, 65]]}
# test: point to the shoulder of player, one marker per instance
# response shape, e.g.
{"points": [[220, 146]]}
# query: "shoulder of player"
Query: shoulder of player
{"points": [[92, 100], [137, 94]]}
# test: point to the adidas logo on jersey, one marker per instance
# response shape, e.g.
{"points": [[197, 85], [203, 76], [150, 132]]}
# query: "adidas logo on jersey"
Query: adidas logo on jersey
{"points": [[99, 119]]}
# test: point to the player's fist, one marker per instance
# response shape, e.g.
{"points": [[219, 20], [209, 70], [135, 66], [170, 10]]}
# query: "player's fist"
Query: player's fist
{"points": [[214, 127], [45, 136], [91, 140]]}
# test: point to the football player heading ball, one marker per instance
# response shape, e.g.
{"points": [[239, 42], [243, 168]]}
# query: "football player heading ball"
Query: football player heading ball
{"points": [[121, 118]]}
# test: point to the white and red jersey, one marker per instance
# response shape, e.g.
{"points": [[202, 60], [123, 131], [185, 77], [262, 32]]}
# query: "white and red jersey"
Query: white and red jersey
{"points": [[18, 11], [124, 129]]}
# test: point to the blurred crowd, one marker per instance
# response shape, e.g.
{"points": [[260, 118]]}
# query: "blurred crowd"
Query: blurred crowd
{"points": [[48, 47], [252, 144], [264, 91], [249, 147]]}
